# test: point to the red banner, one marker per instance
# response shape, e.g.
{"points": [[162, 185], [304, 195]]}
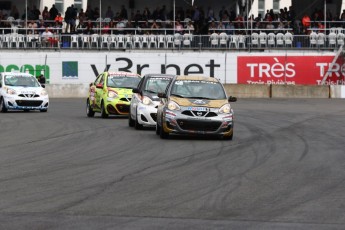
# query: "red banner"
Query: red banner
{"points": [[307, 70]]}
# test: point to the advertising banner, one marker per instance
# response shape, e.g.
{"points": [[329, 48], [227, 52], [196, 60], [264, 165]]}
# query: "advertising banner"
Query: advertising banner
{"points": [[308, 70]]}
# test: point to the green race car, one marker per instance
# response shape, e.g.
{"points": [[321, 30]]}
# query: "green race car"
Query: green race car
{"points": [[111, 93]]}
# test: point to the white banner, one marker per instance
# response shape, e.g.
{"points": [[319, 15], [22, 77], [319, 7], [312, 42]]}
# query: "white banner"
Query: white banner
{"points": [[75, 67]]}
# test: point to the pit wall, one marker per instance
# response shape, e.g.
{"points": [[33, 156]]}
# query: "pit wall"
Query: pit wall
{"points": [[237, 90]]}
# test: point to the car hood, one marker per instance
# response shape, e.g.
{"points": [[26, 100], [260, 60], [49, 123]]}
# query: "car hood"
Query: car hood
{"points": [[122, 91], [26, 90], [199, 102]]}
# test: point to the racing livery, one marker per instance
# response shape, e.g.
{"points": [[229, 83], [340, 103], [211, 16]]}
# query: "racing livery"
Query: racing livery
{"points": [[22, 91], [111, 93], [144, 103], [196, 106]]}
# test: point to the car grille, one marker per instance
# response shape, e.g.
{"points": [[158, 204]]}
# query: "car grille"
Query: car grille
{"points": [[154, 116], [125, 99], [28, 95], [199, 125], [199, 113], [122, 108], [28, 103]]}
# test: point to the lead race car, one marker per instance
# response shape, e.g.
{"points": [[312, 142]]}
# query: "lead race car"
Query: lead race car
{"points": [[194, 105], [111, 93], [22, 91]]}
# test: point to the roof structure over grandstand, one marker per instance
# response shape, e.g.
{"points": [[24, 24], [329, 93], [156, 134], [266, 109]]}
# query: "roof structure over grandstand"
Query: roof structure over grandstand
{"points": [[300, 7]]}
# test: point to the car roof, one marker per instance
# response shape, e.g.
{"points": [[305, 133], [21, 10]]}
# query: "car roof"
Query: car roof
{"points": [[127, 74], [197, 78], [17, 74], [159, 75]]}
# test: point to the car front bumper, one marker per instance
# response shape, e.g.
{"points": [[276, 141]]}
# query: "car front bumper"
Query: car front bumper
{"points": [[177, 122], [22, 103], [147, 114]]}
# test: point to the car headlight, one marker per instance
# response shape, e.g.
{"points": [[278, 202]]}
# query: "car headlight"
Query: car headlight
{"points": [[44, 92], [10, 91], [225, 108], [147, 100], [112, 94], [173, 106]]}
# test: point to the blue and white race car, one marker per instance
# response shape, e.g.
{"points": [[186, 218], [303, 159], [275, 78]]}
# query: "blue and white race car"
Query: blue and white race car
{"points": [[22, 91]]}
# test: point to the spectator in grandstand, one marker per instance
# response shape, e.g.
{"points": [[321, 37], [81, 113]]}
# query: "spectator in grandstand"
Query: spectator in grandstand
{"points": [[46, 37], [41, 23], [14, 12], [155, 28], [190, 27], [212, 27], [270, 28], [223, 13], [81, 15], [58, 20], [137, 16], [230, 28], [89, 27], [220, 27], [280, 27], [109, 13], [146, 14], [32, 24], [53, 12], [123, 12], [178, 27], [89, 13], [81, 27], [210, 14], [45, 14], [239, 24], [35, 12], [70, 18], [306, 23], [321, 27]]}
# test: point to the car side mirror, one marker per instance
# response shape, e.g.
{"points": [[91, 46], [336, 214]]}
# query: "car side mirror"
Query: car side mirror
{"points": [[232, 99], [162, 95], [43, 86], [99, 86], [0, 85], [136, 90]]}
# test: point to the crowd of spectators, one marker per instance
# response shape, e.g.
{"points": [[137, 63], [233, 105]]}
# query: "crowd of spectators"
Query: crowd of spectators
{"points": [[196, 20]]}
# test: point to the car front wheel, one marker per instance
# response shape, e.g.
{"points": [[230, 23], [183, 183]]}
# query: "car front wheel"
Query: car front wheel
{"points": [[3, 108], [103, 112], [136, 123], [130, 120], [162, 133], [89, 110]]}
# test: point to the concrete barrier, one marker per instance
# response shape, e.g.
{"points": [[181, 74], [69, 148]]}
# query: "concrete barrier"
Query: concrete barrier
{"points": [[236, 90], [247, 91], [300, 91], [337, 91], [67, 90]]}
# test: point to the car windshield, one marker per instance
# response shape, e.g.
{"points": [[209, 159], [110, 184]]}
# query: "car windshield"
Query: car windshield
{"points": [[20, 80], [156, 84], [123, 82], [198, 89]]}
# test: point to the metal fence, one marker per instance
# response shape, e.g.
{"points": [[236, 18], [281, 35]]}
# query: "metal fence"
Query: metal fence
{"points": [[223, 41]]}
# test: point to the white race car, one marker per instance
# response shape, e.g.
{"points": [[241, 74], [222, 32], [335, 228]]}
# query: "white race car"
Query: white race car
{"points": [[144, 103], [22, 91]]}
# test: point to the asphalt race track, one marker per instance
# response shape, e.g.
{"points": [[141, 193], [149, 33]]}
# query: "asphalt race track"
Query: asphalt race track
{"points": [[283, 170]]}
